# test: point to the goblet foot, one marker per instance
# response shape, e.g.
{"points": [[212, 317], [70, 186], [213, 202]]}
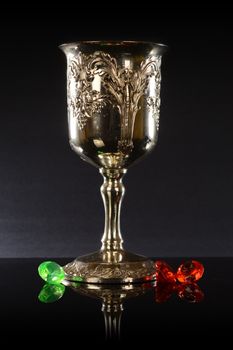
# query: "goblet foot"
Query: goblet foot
{"points": [[111, 267]]}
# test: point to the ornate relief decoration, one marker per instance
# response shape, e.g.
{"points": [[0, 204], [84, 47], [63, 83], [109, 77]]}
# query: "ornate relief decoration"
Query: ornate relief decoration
{"points": [[124, 271], [96, 81]]}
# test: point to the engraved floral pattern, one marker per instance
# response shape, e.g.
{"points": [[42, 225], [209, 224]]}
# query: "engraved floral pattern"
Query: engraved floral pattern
{"points": [[102, 271], [83, 101], [153, 105], [121, 87]]}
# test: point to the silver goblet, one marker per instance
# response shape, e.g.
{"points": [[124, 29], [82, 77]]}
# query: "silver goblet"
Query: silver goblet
{"points": [[113, 91]]}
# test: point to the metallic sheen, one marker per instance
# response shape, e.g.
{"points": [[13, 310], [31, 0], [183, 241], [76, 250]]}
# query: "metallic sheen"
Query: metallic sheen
{"points": [[112, 297], [113, 97]]}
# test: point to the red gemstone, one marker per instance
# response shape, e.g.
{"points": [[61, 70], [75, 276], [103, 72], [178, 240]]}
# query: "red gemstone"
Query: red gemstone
{"points": [[190, 292], [190, 271], [164, 273]]}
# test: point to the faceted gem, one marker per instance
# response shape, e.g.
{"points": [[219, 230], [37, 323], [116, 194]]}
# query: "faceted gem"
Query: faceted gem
{"points": [[51, 293], [164, 273], [190, 271], [190, 292], [51, 272]]}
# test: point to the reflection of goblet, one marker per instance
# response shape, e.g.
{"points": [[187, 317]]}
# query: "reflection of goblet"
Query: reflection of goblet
{"points": [[113, 114], [112, 297]]}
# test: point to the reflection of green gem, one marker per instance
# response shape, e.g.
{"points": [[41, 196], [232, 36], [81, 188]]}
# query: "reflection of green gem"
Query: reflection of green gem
{"points": [[51, 293], [78, 279], [51, 272]]}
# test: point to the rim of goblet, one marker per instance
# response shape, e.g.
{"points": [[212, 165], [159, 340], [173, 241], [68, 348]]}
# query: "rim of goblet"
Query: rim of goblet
{"points": [[115, 43]]}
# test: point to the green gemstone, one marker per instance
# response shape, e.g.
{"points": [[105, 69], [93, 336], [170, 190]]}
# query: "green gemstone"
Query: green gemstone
{"points": [[51, 272], [51, 293]]}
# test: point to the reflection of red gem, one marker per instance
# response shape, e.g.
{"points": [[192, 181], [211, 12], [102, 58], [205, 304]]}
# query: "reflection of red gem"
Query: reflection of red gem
{"points": [[163, 291], [190, 271], [164, 273], [190, 292], [148, 278]]}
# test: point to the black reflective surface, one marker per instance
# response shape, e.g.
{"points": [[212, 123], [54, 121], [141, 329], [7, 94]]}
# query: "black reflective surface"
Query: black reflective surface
{"points": [[141, 319]]}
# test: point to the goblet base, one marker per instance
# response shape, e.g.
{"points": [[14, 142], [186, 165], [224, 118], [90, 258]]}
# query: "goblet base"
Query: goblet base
{"points": [[116, 267]]}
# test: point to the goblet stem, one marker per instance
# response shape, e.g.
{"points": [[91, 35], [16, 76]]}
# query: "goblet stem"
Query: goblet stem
{"points": [[112, 264], [112, 192]]}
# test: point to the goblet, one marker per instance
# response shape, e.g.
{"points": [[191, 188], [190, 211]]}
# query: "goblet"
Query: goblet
{"points": [[113, 96]]}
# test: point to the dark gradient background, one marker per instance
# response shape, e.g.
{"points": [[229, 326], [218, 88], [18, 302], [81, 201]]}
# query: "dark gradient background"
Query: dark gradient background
{"points": [[179, 199]]}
